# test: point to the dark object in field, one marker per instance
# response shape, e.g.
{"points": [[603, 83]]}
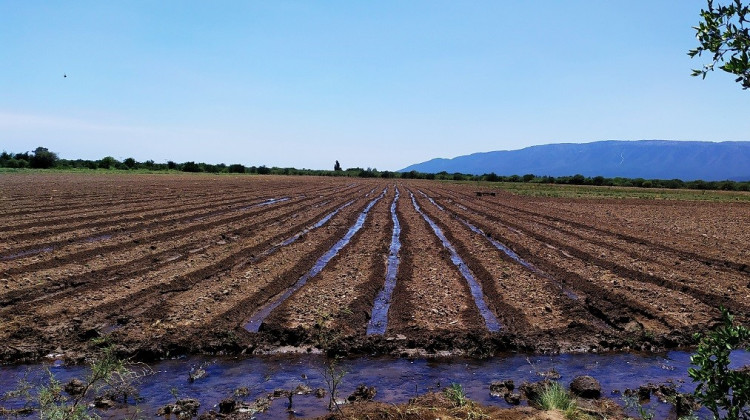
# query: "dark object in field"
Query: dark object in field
{"points": [[481, 193]]}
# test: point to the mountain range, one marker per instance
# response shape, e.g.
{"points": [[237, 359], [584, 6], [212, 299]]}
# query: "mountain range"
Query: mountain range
{"points": [[649, 159]]}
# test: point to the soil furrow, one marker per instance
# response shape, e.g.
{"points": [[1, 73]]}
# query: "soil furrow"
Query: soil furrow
{"points": [[149, 263], [695, 291], [126, 239], [608, 293], [741, 267], [534, 309]]}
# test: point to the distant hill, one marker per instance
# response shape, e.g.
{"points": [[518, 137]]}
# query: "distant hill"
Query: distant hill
{"points": [[649, 159]]}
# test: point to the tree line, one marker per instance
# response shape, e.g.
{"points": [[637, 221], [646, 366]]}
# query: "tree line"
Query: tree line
{"points": [[43, 158]]}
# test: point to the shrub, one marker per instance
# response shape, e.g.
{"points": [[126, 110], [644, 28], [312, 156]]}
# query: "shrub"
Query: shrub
{"points": [[721, 389]]}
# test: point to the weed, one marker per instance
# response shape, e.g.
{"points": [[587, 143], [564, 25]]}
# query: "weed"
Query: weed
{"points": [[333, 374], [110, 379], [632, 403], [455, 392], [555, 397]]}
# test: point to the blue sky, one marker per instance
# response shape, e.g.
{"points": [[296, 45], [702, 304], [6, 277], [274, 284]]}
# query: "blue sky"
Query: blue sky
{"points": [[381, 84]]}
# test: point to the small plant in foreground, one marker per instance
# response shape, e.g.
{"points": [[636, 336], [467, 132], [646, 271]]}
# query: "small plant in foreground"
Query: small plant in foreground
{"points": [[455, 392], [333, 374], [555, 397], [720, 389], [631, 402], [109, 379]]}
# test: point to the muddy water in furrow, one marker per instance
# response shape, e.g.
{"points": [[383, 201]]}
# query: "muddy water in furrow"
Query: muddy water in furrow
{"points": [[533, 309], [507, 251], [379, 318], [254, 323], [650, 295], [194, 239], [490, 320], [336, 302]]}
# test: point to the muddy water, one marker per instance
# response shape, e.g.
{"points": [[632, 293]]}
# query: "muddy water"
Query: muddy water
{"points": [[253, 325], [265, 203], [396, 380], [26, 253], [507, 251], [379, 321], [490, 320]]}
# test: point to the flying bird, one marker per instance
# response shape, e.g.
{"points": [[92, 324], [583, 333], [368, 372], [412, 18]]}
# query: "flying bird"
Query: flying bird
{"points": [[65, 75]]}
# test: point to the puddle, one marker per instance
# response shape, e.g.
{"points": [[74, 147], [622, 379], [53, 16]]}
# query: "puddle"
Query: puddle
{"points": [[294, 238], [253, 325], [99, 238], [509, 252], [379, 320], [272, 201], [490, 320], [27, 253], [264, 203], [431, 201], [396, 380]]}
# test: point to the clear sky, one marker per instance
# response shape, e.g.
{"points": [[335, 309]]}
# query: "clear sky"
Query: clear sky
{"points": [[381, 84]]}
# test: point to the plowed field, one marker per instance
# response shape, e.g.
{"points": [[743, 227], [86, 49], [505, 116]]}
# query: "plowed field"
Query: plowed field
{"points": [[171, 264]]}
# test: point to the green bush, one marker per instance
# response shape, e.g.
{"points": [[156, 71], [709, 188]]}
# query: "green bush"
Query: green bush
{"points": [[720, 389]]}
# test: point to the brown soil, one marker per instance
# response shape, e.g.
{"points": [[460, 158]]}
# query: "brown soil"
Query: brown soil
{"points": [[167, 264]]}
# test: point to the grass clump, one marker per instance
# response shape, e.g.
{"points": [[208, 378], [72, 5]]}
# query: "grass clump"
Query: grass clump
{"points": [[456, 394], [555, 397]]}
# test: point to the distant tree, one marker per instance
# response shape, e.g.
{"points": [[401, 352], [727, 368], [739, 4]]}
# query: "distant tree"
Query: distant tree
{"points": [[723, 33], [528, 177], [263, 170], [171, 165], [130, 163], [42, 158], [577, 179], [108, 162], [237, 168], [337, 167], [190, 167]]}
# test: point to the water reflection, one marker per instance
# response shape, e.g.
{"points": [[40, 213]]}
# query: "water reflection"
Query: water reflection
{"points": [[396, 380]]}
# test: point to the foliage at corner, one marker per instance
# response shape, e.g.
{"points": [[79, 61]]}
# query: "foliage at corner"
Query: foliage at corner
{"points": [[110, 380], [723, 33], [720, 389]]}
